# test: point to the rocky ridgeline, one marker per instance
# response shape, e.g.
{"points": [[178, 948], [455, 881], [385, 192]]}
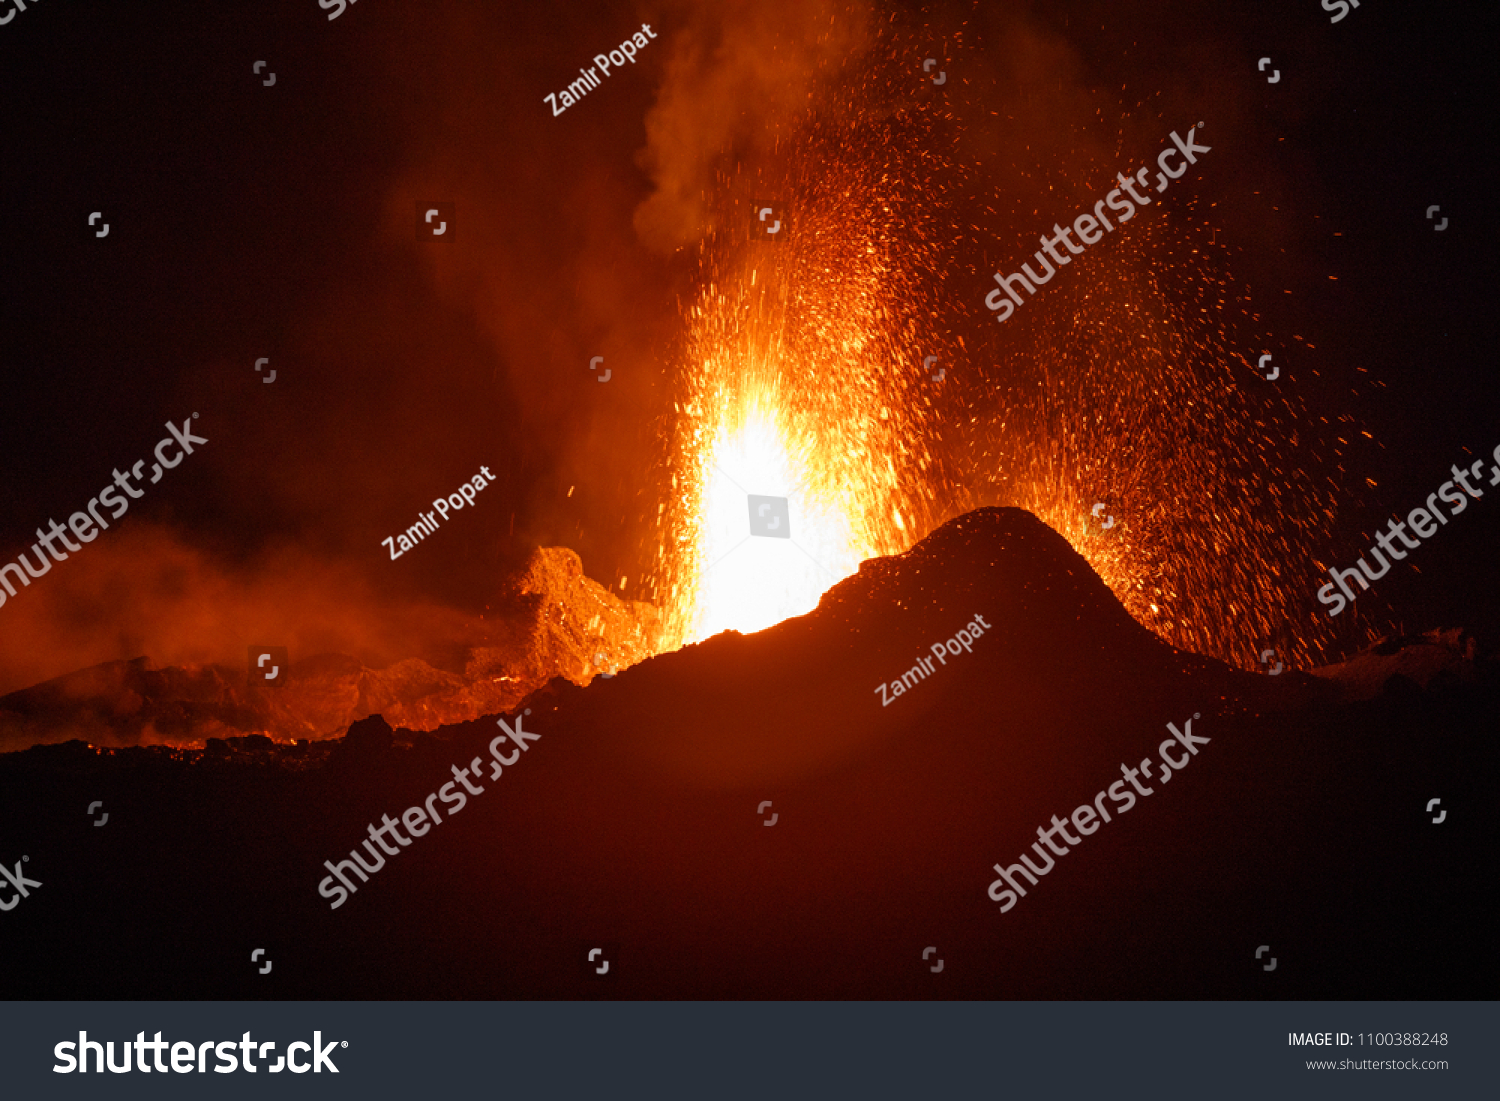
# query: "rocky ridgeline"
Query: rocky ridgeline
{"points": [[643, 815]]}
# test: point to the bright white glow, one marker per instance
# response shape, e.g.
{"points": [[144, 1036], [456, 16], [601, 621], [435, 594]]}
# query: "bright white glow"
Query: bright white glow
{"points": [[746, 582]]}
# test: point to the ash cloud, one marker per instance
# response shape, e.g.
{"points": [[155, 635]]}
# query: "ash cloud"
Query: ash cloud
{"points": [[402, 366], [148, 591], [737, 74]]}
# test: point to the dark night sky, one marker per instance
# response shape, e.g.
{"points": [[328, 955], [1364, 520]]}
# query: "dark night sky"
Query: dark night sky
{"points": [[249, 221]]}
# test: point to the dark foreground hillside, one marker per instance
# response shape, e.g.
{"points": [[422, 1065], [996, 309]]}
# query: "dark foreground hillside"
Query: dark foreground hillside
{"points": [[633, 823]]}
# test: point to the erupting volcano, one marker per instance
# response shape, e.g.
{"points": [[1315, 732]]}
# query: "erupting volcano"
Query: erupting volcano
{"points": [[836, 391], [829, 368], [778, 522]]}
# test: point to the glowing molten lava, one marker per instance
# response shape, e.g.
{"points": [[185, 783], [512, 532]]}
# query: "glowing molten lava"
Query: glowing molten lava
{"points": [[799, 387], [802, 377], [748, 581]]}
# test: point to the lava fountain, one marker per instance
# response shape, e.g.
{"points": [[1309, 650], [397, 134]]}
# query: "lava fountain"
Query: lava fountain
{"points": [[805, 375], [800, 388], [802, 373], [749, 582]]}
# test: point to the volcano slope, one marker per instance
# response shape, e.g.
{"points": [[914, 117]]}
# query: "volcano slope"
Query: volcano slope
{"points": [[635, 823]]}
